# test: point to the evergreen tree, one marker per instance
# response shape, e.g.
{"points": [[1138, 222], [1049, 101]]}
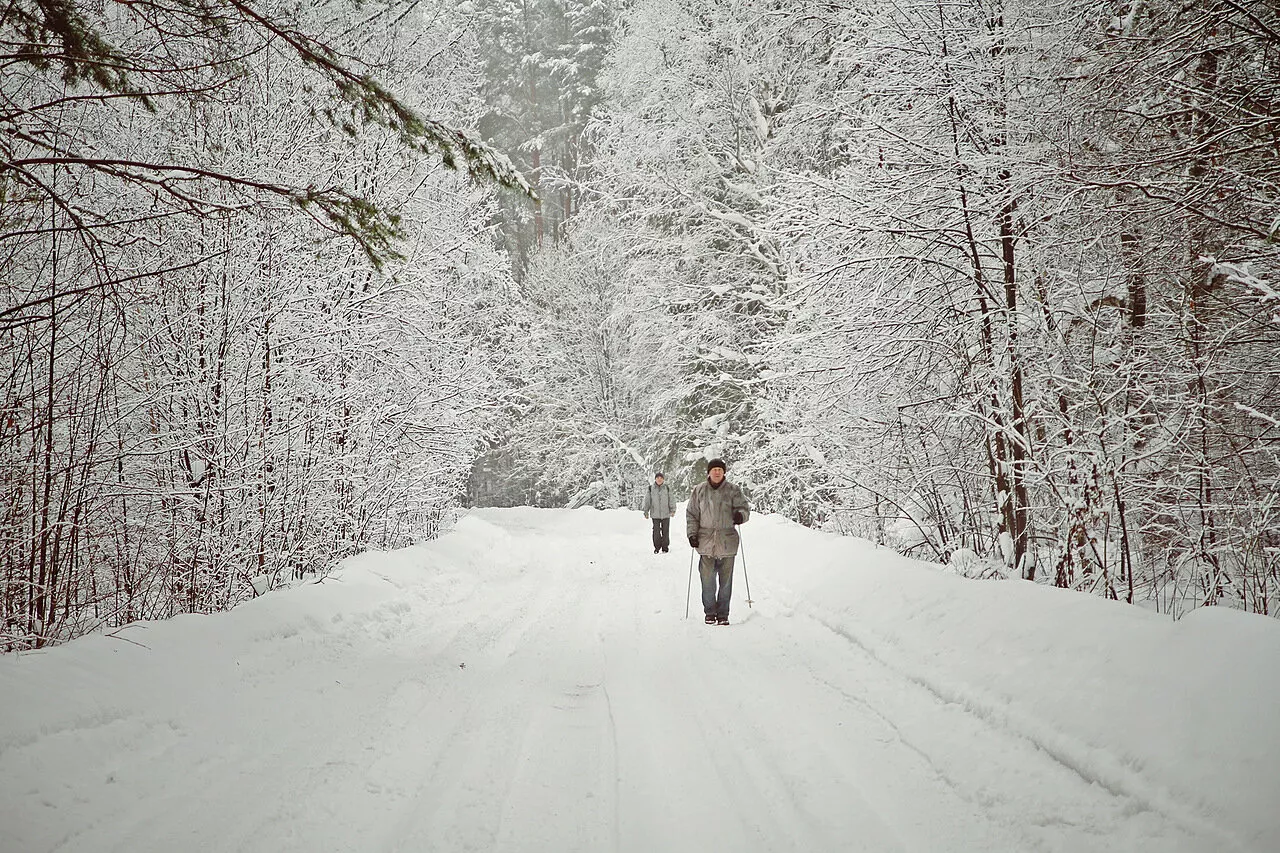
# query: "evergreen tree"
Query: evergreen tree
{"points": [[542, 58]]}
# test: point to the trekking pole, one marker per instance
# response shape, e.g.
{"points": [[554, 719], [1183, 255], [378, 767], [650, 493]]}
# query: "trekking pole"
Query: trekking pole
{"points": [[688, 593], [742, 546]]}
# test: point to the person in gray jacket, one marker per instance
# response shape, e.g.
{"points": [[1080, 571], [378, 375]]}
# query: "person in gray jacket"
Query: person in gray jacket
{"points": [[660, 507], [715, 509]]}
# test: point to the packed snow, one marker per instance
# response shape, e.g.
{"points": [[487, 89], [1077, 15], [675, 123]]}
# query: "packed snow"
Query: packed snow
{"points": [[529, 682]]}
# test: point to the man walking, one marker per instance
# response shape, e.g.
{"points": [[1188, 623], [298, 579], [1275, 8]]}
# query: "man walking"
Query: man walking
{"points": [[660, 507], [715, 507]]}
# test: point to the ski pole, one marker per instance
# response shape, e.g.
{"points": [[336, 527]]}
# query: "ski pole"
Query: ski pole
{"points": [[688, 593], [742, 546]]}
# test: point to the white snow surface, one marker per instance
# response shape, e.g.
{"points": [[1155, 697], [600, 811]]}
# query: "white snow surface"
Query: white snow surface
{"points": [[528, 682]]}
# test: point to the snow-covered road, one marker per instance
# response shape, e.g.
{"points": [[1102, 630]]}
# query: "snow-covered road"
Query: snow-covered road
{"points": [[529, 683]]}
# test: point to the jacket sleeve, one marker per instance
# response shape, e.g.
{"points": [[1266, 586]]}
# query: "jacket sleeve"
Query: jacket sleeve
{"points": [[740, 505], [691, 514]]}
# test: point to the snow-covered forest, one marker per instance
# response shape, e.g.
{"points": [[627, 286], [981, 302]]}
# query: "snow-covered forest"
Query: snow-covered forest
{"points": [[995, 283]]}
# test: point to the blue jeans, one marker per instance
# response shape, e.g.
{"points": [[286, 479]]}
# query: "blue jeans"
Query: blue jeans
{"points": [[715, 602]]}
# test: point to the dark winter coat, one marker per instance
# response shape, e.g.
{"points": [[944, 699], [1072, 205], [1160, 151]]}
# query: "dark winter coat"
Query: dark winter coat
{"points": [[658, 502], [709, 516]]}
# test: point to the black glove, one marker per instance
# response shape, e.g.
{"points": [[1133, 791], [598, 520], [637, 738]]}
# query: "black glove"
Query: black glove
{"points": [[693, 541], [737, 516]]}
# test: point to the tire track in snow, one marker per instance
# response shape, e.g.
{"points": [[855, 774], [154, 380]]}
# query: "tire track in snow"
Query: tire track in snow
{"points": [[844, 779], [1093, 767]]}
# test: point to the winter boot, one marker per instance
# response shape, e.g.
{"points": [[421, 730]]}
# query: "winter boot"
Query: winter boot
{"points": [[710, 619]]}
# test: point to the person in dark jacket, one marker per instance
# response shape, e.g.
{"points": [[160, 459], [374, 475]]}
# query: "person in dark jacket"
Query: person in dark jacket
{"points": [[715, 509], [660, 507]]}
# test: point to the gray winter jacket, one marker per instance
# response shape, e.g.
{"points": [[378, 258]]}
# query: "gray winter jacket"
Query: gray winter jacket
{"points": [[709, 516], [658, 502]]}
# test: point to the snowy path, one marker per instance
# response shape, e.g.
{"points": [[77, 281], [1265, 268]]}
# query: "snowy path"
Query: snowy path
{"points": [[529, 684]]}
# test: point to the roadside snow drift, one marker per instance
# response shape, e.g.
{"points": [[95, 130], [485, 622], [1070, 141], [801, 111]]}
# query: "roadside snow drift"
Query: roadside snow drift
{"points": [[529, 683]]}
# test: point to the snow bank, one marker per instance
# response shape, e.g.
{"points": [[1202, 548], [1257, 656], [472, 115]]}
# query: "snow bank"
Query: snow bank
{"points": [[141, 665], [1183, 716]]}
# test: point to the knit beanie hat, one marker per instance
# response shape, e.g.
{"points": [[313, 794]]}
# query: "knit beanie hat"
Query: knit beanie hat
{"points": [[717, 463]]}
